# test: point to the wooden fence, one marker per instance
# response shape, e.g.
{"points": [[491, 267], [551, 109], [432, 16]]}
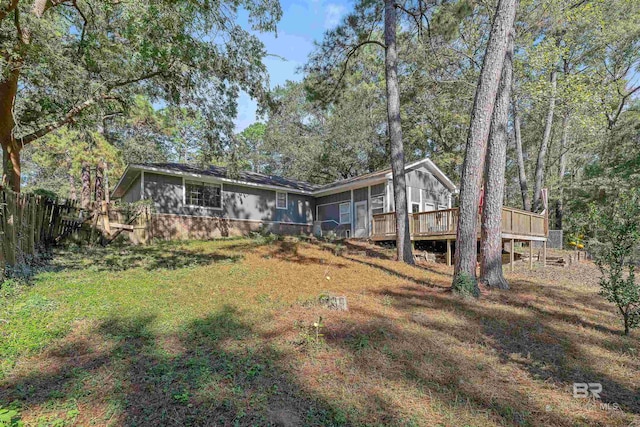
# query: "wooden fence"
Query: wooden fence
{"points": [[30, 222]]}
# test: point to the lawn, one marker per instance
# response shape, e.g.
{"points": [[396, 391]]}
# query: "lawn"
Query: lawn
{"points": [[235, 332]]}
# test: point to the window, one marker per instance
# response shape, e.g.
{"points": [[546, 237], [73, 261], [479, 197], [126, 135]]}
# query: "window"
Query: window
{"points": [[442, 207], [377, 205], [203, 194], [428, 207], [415, 207], [345, 213], [281, 200]]}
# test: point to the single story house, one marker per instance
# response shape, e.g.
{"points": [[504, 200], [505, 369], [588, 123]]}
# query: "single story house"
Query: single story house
{"points": [[205, 203]]}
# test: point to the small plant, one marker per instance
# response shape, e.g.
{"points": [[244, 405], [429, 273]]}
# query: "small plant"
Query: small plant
{"points": [[466, 286], [615, 240], [10, 418]]}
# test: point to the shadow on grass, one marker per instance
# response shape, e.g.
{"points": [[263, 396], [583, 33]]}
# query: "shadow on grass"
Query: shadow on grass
{"points": [[164, 255], [213, 373]]}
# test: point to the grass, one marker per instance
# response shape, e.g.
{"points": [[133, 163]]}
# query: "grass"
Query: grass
{"points": [[234, 332]]}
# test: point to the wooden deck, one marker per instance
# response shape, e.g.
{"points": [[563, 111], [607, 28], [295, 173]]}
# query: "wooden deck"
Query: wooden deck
{"points": [[517, 224]]}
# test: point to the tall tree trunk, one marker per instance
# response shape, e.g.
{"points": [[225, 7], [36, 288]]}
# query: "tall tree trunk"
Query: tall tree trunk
{"points": [[10, 147], [522, 172], [562, 169], [86, 185], [491, 234], [542, 153], [403, 237], [464, 278]]}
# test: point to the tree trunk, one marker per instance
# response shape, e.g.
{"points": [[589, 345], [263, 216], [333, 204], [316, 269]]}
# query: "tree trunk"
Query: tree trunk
{"points": [[491, 234], [86, 185], [542, 154], [10, 147], [99, 190], [403, 237], [464, 279], [562, 169], [522, 173]]}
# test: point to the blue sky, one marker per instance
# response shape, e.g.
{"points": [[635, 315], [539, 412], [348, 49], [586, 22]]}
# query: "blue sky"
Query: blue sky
{"points": [[302, 23]]}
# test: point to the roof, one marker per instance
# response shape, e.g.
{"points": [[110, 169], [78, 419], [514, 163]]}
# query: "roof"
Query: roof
{"points": [[261, 180]]}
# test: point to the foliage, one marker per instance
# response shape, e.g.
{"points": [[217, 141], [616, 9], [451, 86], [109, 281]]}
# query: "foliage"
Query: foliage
{"points": [[615, 244], [465, 286], [10, 418]]}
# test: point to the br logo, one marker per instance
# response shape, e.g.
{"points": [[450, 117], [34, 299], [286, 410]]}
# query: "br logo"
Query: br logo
{"points": [[583, 390]]}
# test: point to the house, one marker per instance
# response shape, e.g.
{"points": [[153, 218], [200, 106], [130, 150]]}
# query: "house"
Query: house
{"points": [[205, 203]]}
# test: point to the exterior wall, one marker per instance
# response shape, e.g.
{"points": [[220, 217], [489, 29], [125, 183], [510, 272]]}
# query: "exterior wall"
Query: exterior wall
{"points": [[345, 196], [181, 227], [433, 191], [238, 202], [133, 192], [378, 189], [360, 194]]}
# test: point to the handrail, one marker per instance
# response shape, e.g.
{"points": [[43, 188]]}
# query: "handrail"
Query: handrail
{"points": [[445, 222]]}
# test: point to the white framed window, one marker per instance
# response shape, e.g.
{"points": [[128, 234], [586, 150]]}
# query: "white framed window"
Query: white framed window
{"points": [[442, 207], [428, 207], [415, 207], [206, 195], [377, 204], [281, 200], [345, 213]]}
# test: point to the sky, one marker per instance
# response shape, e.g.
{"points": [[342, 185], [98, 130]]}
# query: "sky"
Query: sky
{"points": [[302, 23]]}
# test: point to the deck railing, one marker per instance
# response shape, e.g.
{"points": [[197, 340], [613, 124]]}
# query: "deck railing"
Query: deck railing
{"points": [[445, 222]]}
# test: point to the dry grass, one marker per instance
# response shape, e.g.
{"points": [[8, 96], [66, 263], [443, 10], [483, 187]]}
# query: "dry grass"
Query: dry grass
{"points": [[222, 333]]}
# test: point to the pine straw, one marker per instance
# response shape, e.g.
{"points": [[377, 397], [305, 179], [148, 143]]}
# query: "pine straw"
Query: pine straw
{"points": [[223, 332]]}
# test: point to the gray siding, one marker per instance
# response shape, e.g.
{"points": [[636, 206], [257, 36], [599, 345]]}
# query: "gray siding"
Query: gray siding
{"points": [[238, 202], [433, 191], [133, 192]]}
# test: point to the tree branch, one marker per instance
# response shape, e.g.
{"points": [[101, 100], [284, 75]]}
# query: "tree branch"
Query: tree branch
{"points": [[4, 11], [352, 51], [66, 119]]}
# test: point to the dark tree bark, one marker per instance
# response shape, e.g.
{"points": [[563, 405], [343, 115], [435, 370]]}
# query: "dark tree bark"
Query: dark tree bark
{"points": [[86, 185], [522, 172], [464, 279], [10, 147], [491, 234], [544, 146], [403, 237], [99, 190]]}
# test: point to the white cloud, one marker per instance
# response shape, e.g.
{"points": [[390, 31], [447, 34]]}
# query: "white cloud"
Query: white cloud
{"points": [[332, 15]]}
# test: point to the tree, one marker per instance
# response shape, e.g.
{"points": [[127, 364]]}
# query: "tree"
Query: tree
{"points": [[403, 237], [615, 240], [464, 279], [491, 232], [73, 58]]}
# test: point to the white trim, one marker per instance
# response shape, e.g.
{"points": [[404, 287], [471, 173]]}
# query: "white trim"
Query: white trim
{"points": [[435, 171], [420, 191], [366, 225], [352, 214], [184, 192], [237, 219], [142, 185], [286, 200], [340, 213], [369, 214]]}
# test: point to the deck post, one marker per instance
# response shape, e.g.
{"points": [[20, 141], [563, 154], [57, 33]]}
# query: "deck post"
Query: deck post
{"points": [[511, 254], [448, 252], [544, 253], [530, 254]]}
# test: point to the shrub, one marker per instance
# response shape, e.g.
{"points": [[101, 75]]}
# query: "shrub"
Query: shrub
{"points": [[615, 236]]}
